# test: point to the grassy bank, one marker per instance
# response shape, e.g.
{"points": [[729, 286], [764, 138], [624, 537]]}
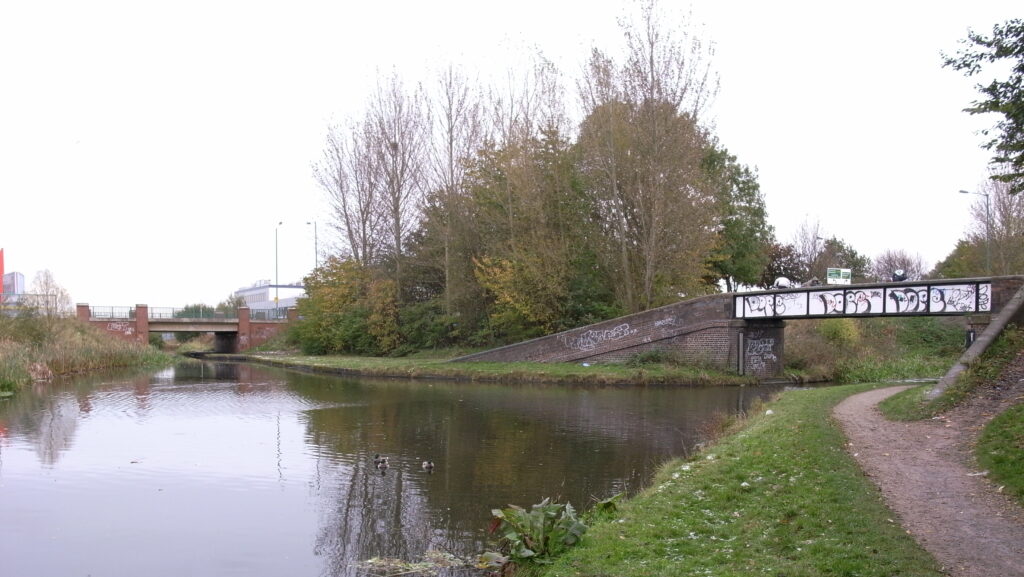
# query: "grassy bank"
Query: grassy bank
{"points": [[33, 347], [1000, 451], [779, 497], [439, 367]]}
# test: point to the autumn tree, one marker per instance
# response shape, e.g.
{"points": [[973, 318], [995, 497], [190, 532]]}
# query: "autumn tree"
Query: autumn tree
{"points": [[837, 253], [966, 260], [458, 133], [642, 146], [745, 236], [1002, 97], [783, 261]]}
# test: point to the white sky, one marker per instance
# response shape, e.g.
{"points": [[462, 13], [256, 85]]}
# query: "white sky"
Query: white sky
{"points": [[148, 150]]}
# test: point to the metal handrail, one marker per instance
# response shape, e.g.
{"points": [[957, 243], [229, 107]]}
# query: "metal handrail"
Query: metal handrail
{"points": [[123, 313]]}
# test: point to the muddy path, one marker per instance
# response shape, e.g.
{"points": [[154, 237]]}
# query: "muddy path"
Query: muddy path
{"points": [[928, 476]]}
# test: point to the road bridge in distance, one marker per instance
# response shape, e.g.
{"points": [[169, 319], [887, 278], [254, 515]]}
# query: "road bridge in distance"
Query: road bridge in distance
{"points": [[231, 334]]}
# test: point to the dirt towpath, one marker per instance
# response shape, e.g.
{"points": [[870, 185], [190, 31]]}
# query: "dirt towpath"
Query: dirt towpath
{"points": [[928, 476]]}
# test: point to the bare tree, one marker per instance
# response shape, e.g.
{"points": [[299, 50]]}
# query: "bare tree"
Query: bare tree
{"points": [[886, 265], [997, 226], [398, 130], [809, 243], [50, 298], [458, 134], [349, 175]]}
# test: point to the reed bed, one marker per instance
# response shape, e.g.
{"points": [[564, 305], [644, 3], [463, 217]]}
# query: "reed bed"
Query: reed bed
{"points": [[34, 347]]}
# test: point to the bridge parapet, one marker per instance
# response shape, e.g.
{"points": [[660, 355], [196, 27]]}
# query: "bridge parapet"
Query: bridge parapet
{"points": [[233, 333]]}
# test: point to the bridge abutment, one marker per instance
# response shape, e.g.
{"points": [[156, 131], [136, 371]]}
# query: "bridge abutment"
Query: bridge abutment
{"points": [[761, 348]]}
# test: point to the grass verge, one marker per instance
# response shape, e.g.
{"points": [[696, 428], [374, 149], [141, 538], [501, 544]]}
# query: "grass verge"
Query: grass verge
{"points": [[1000, 450], [426, 366], [780, 497]]}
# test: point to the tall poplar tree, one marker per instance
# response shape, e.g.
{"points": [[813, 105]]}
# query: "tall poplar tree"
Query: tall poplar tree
{"points": [[642, 146]]}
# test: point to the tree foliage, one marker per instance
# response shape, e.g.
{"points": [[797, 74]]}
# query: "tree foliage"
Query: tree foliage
{"points": [[783, 261], [1002, 97], [642, 145], [745, 237], [519, 221]]}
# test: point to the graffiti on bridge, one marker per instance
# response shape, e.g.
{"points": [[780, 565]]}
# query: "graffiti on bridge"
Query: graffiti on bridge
{"points": [[121, 327], [908, 300], [780, 305], [760, 354], [848, 302], [589, 340], [897, 300]]}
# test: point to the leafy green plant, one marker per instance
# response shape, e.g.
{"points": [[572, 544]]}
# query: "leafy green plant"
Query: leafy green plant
{"points": [[537, 535], [840, 332]]}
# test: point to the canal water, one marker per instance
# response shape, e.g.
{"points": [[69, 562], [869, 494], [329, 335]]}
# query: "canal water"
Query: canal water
{"points": [[233, 469]]}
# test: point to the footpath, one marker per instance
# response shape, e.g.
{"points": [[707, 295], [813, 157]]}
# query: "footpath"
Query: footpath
{"points": [[928, 476]]}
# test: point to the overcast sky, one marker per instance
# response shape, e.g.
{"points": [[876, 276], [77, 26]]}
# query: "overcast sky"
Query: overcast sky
{"points": [[149, 150]]}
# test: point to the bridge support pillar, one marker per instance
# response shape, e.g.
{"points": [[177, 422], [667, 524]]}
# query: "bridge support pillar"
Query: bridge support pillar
{"points": [[142, 323], [760, 348]]}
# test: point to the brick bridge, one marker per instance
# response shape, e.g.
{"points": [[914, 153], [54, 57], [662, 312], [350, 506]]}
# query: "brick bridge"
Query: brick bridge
{"points": [[231, 335], [745, 332]]}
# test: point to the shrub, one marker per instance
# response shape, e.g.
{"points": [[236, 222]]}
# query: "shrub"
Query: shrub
{"points": [[648, 358], [840, 332]]}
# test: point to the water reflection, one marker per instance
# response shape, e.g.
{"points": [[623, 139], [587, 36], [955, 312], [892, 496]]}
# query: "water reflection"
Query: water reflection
{"points": [[260, 471]]}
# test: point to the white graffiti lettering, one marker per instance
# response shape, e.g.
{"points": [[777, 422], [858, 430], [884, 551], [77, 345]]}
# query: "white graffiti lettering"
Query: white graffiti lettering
{"points": [[121, 327], [589, 340], [760, 352]]}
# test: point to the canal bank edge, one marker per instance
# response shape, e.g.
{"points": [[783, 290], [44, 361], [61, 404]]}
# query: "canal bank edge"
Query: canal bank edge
{"points": [[545, 373]]}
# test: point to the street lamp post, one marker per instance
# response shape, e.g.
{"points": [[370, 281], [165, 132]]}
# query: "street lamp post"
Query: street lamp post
{"points": [[316, 248], [275, 263], [988, 230]]}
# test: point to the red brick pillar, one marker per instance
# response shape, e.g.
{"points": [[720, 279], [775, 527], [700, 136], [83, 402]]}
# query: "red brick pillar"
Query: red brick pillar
{"points": [[142, 323], [242, 343], [293, 314], [82, 312]]}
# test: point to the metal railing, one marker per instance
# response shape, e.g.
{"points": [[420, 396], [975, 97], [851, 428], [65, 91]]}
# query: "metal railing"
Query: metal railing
{"points": [[277, 314], [122, 313], [112, 312], [190, 313]]}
